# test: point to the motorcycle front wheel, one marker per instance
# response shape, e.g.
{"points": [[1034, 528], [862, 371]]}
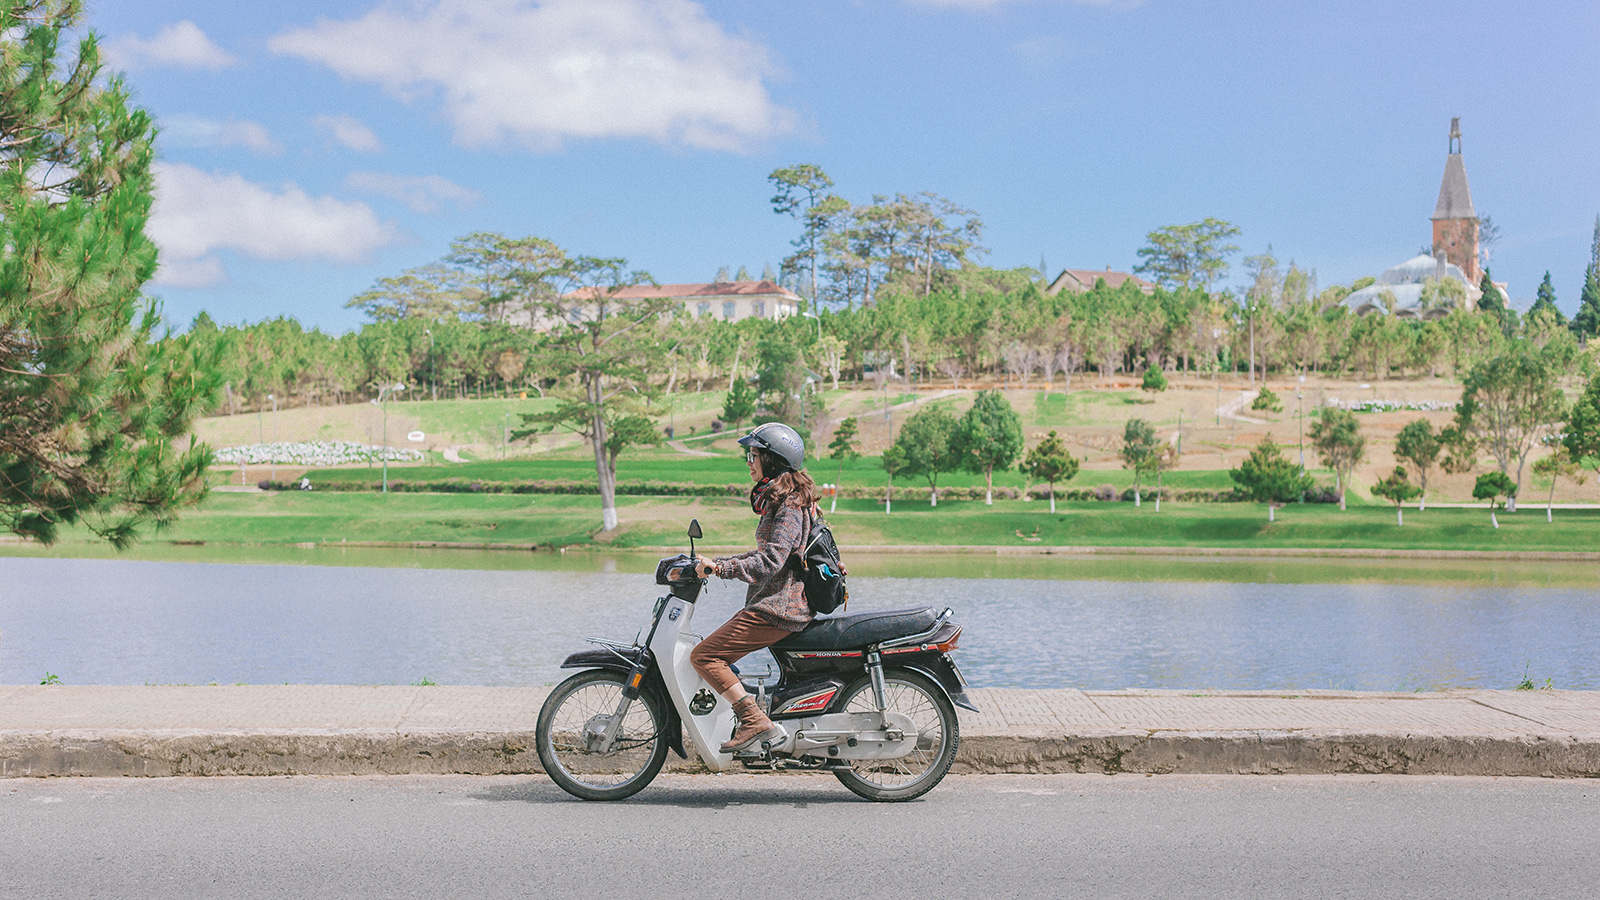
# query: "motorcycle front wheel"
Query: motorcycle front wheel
{"points": [[576, 713], [913, 695]]}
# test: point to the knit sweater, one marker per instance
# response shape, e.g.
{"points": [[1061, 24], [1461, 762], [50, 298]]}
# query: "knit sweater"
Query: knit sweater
{"points": [[775, 586]]}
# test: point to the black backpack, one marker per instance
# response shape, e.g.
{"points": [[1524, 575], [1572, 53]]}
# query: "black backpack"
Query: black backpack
{"points": [[821, 571]]}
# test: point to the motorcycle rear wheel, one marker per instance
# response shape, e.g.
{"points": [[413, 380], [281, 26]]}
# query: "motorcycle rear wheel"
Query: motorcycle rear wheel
{"points": [[584, 701], [915, 696]]}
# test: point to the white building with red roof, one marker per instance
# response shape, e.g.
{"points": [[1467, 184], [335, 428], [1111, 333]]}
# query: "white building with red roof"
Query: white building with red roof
{"points": [[726, 300]]}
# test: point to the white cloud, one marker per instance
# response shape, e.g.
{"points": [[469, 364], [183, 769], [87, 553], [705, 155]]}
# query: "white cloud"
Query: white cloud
{"points": [[192, 131], [349, 131], [420, 193], [182, 45], [204, 272], [538, 74], [197, 213]]}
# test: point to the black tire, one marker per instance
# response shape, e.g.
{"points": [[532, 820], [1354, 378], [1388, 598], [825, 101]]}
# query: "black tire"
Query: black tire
{"points": [[909, 777], [634, 759]]}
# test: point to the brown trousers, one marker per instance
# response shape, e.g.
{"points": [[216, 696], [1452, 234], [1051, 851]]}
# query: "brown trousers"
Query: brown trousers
{"points": [[745, 633]]}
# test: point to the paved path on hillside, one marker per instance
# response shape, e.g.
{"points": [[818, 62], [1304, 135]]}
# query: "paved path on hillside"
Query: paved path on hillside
{"points": [[682, 448], [1230, 409]]}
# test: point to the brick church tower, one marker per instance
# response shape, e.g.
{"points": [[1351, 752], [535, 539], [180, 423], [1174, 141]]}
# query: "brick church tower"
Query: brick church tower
{"points": [[1455, 224]]}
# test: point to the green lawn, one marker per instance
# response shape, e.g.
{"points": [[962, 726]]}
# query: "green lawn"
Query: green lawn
{"points": [[295, 517], [1055, 410], [730, 469], [1237, 525]]}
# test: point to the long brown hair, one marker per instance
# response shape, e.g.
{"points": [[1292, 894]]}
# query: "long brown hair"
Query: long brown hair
{"points": [[793, 487]]}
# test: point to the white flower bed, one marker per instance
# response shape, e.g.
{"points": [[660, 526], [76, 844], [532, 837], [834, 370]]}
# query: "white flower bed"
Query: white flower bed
{"points": [[314, 454], [1373, 406]]}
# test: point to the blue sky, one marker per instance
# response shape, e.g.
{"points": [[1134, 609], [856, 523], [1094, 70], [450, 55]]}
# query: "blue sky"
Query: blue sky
{"points": [[311, 148]]}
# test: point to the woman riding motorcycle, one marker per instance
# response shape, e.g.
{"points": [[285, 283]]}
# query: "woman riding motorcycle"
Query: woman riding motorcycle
{"points": [[775, 606]]}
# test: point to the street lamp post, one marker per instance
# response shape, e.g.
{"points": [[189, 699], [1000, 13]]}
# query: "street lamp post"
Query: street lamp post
{"points": [[274, 399], [1216, 364], [383, 395], [1252, 308], [1300, 413], [811, 315]]}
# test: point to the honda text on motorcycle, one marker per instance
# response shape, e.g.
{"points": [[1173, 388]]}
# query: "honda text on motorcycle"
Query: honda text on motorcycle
{"points": [[869, 697]]}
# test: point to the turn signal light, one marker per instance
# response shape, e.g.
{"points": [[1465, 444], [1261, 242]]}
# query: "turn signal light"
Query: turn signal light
{"points": [[947, 646]]}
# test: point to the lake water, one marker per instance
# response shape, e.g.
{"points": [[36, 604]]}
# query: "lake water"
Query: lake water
{"points": [[120, 621]]}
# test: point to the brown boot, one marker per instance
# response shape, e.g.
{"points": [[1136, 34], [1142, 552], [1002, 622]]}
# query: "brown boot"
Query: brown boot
{"points": [[754, 726]]}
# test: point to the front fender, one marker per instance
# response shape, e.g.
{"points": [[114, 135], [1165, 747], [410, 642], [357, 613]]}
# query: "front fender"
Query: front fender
{"points": [[624, 661], [621, 660]]}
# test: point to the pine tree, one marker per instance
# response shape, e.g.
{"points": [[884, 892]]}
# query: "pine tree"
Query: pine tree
{"points": [[1586, 324], [1493, 301], [739, 404], [1268, 477], [1050, 462], [91, 398], [614, 351], [841, 448], [1547, 300], [1139, 450], [1397, 489]]}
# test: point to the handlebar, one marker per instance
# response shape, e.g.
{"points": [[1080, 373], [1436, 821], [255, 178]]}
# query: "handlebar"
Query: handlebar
{"points": [[677, 569]]}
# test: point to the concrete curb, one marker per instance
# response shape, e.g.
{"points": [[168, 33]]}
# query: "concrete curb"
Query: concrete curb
{"points": [[1284, 753], [173, 730], [158, 754]]}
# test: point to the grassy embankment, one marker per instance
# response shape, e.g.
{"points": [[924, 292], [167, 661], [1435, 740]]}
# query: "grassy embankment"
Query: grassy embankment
{"points": [[553, 520], [1090, 418], [866, 473], [1217, 429]]}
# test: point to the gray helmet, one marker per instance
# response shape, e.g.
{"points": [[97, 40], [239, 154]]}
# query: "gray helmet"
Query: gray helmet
{"points": [[781, 441]]}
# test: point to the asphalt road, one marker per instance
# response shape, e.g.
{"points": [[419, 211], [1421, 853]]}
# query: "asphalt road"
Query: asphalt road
{"points": [[771, 837]]}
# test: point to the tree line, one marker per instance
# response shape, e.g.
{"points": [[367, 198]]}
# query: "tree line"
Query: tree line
{"points": [[995, 326]]}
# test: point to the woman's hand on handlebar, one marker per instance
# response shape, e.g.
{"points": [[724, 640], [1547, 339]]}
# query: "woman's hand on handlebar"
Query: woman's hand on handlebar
{"points": [[703, 566]]}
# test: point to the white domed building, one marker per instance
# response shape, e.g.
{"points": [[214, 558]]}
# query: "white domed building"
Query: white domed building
{"points": [[1400, 290]]}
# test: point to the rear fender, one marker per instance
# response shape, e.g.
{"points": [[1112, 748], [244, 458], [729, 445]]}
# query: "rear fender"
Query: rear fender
{"points": [[623, 661], [938, 667]]}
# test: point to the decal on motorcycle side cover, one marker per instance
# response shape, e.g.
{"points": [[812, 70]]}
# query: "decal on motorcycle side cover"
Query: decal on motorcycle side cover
{"points": [[811, 702]]}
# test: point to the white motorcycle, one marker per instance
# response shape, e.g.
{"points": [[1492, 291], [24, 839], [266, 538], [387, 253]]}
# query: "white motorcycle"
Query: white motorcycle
{"points": [[869, 697]]}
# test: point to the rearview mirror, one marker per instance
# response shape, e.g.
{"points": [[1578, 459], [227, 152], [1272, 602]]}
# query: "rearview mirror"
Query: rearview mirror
{"points": [[694, 529]]}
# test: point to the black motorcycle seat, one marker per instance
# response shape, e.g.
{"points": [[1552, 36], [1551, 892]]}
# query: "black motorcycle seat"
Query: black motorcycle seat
{"points": [[859, 630]]}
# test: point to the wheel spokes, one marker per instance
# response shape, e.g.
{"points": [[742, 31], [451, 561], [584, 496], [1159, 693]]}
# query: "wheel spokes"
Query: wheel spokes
{"points": [[590, 707], [910, 701]]}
